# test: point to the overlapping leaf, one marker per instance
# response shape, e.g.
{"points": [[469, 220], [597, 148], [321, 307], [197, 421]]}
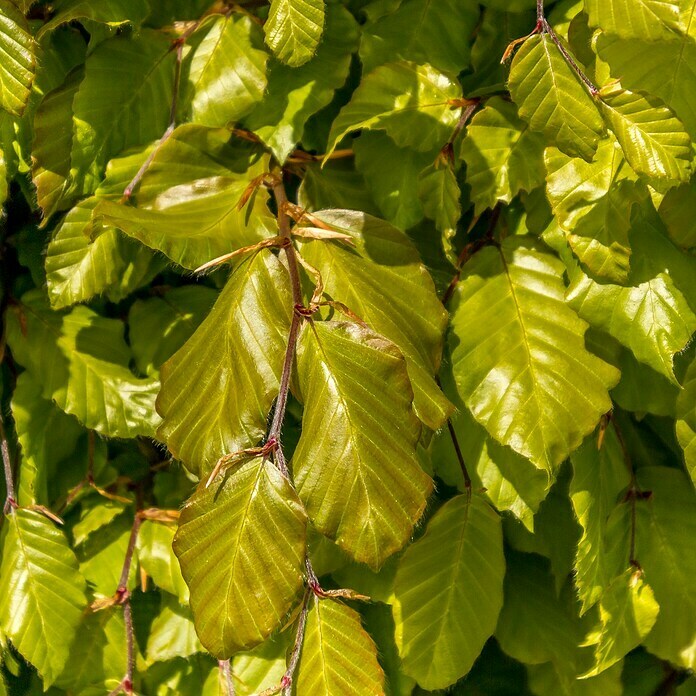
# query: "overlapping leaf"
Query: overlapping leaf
{"points": [[235, 358], [225, 73], [456, 570], [653, 139], [502, 156], [637, 19], [357, 399], [293, 29], [225, 549], [111, 12], [411, 102], [552, 99], [186, 203], [43, 592], [381, 272], [520, 379], [338, 655], [81, 360]]}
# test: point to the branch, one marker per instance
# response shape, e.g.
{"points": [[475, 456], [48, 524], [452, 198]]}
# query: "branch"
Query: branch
{"points": [[286, 682], [226, 672], [11, 499]]}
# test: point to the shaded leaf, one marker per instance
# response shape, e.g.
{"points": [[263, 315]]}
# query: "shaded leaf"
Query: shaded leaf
{"points": [[114, 13], [456, 570], [686, 420], [172, 633]]}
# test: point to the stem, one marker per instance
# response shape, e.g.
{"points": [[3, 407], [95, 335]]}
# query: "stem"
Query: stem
{"points": [[540, 10], [548, 29], [123, 596], [460, 456], [286, 682], [11, 500], [294, 270], [226, 671]]}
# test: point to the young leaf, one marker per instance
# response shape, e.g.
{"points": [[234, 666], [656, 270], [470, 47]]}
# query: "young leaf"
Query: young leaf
{"points": [[187, 199], [665, 526], [17, 59], [235, 358], [637, 19], [520, 383], [295, 94], [438, 190], [172, 633], [157, 559], [552, 99], [380, 273], [293, 29], [456, 569], [225, 72], [653, 139], [338, 656], [600, 475], [422, 31], [225, 550], [114, 13], [123, 101], [358, 412], [261, 668], [411, 102], [43, 592], [686, 420], [628, 612], [503, 157], [81, 361]]}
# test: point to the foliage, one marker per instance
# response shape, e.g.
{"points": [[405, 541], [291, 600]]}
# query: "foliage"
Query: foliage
{"points": [[340, 357]]}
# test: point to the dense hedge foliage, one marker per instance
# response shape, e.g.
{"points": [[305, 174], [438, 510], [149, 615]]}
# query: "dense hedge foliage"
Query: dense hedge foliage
{"points": [[340, 356]]}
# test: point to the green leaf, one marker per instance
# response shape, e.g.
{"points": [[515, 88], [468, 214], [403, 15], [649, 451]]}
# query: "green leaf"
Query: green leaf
{"points": [[686, 420], [678, 212], [295, 94], [600, 477], [51, 153], [456, 570], [411, 102], [391, 173], [652, 317], [172, 633], [636, 19], [95, 514], [337, 185], [552, 99], [225, 72], [628, 612], [47, 437], [159, 326], [520, 383], [378, 274], [409, 32], [358, 411], [261, 668], [294, 28], [669, 74], [123, 101], [157, 559], [17, 60], [653, 139], [43, 592], [224, 549], [235, 357], [503, 157], [81, 361], [186, 203], [665, 526], [438, 190], [592, 202], [113, 13], [551, 679], [338, 656]]}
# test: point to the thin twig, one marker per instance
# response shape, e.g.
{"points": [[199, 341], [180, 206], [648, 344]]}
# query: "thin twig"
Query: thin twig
{"points": [[286, 682], [460, 456], [226, 671], [11, 499]]}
